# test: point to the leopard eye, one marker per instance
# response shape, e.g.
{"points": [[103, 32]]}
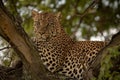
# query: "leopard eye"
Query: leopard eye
{"points": [[37, 23], [51, 23]]}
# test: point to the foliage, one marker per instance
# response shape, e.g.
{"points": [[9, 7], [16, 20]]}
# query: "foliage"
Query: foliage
{"points": [[102, 17], [110, 66]]}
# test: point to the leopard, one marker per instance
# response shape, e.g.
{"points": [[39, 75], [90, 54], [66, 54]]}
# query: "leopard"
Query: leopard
{"points": [[58, 51]]}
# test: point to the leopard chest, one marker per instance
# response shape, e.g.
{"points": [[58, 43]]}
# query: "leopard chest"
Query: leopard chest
{"points": [[50, 55]]}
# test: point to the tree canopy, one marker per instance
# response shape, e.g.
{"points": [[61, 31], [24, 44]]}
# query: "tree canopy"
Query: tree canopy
{"points": [[85, 17]]}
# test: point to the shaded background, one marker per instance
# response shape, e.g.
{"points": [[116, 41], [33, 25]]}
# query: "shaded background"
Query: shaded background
{"points": [[102, 19], [81, 19]]}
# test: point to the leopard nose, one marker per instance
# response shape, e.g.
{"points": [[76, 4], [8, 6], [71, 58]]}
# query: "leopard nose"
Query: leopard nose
{"points": [[42, 32]]}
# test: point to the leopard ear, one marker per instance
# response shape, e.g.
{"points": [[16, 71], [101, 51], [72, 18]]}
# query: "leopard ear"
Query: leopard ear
{"points": [[58, 15], [34, 13]]}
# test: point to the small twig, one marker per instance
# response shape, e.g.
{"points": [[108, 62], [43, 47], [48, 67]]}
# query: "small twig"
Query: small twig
{"points": [[94, 2], [5, 48]]}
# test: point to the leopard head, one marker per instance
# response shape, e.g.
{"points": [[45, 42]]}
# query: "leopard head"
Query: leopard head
{"points": [[46, 25]]}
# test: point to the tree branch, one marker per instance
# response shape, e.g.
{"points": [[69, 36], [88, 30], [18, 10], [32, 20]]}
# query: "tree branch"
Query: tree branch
{"points": [[82, 15], [96, 64], [5, 48]]}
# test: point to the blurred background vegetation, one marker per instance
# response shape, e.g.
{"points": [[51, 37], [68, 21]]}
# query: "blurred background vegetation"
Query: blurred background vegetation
{"points": [[101, 19], [81, 19]]}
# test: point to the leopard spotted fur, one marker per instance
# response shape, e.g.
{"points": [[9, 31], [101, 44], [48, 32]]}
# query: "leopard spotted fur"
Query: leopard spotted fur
{"points": [[58, 51]]}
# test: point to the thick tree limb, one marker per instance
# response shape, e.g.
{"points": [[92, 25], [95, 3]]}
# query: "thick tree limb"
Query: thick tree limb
{"points": [[11, 31], [96, 64]]}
